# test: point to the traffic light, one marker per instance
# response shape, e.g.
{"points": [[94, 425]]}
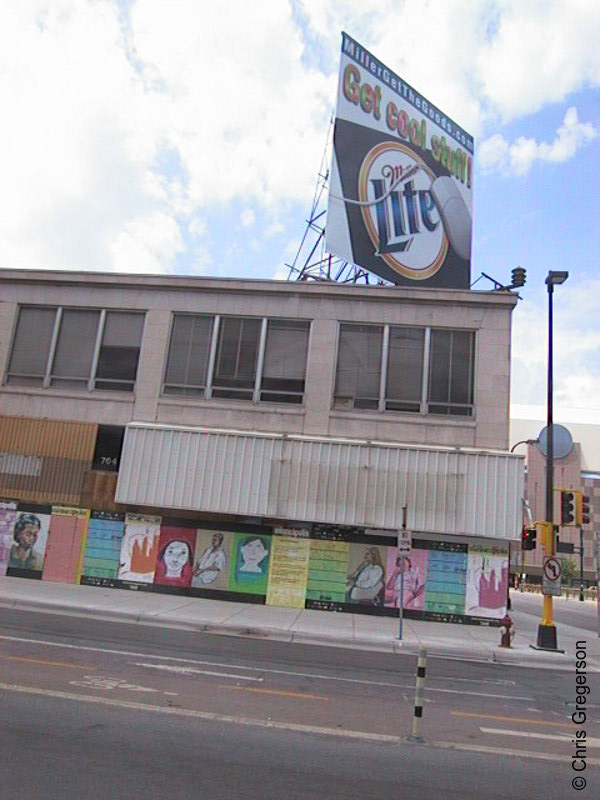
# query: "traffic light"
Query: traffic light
{"points": [[518, 277], [567, 507], [528, 539], [582, 516]]}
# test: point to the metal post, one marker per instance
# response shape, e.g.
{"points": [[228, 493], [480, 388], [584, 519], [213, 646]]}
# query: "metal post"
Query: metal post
{"points": [[420, 688], [546, 638], [401, 597], [581, 563]]}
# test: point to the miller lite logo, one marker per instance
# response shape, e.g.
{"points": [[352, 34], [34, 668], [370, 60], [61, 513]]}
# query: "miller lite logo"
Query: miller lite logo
{"points": [[409, 213]]}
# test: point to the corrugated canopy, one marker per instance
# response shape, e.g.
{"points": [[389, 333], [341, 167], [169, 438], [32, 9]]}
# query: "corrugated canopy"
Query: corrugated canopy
{"points": [[343, 482]]}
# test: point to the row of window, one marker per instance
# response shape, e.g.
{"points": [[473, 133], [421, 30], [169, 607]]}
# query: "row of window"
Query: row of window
{"points": [[379, 367]]}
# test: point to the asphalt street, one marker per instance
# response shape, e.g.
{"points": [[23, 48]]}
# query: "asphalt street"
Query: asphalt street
{"points": [[90, 678]]}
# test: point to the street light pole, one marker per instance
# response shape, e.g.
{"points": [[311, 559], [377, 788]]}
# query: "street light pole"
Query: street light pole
{"points": [[546, 637]]}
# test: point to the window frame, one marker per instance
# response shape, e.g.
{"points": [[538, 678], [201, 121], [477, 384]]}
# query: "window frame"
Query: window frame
{"points": [[213, 389], [425, 405], [51, 379]]}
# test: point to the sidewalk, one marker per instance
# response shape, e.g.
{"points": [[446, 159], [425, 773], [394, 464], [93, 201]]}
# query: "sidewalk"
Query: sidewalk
{"points": [[456, 641]]}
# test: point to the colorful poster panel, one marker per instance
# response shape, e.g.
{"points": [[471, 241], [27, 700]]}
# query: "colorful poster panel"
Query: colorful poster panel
{"points": [[327, 571], [30, 535], [65, 543], [288, 572], [249, 570], [175, 560], [212, 559], [102, 552], [8, 515], [446, 579], [365, 582], [487, 582], [413, 584], [139, 548]]}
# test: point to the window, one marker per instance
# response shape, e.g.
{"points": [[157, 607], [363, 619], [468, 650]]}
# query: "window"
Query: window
{"points": [[31, 346], [400, 368], [235, 367], [189, 348], [451, 372], [243, 358], [359, 366], [285, 361], [404, 369], [119, 351], [76, 348]]}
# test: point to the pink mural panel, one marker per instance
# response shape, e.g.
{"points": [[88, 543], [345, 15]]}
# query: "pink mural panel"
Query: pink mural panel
{"points": [[415, 576], [64, 546]]}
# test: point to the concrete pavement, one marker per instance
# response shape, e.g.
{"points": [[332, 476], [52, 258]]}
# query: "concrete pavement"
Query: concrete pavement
{"points": [[444, 640]]}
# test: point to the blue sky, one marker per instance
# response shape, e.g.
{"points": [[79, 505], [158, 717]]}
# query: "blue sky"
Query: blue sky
{"points": [[186, 138]]}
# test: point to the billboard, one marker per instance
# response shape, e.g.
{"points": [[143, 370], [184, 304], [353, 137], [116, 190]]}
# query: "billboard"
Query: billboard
{"points": [[400, 188]]}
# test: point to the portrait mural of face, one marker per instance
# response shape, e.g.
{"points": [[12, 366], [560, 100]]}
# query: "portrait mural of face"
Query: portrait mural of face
{"points": [[175, 556], [8, 515], [250, 570], [30, 534]]}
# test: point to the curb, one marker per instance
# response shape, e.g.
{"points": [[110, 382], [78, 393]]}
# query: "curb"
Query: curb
{"points": [[486, 655]]}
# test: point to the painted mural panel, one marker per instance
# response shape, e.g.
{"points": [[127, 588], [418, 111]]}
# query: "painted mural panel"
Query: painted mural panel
{"points": [[212, 558], [65, 543], [139, 548], [175, 560], [365, 583], [30, 535], [8, 515], [487, 582], [446, 580], [249, 570], [288, 572], [415, 576], [327, 571], [103, 548]]}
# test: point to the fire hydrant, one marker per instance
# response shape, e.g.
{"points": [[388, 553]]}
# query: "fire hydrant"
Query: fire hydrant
{"points": [[508, 631]]}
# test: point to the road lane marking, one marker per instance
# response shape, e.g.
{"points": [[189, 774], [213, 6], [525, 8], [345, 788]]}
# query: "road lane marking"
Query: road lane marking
{"points": [[497, 718], [102, 682], [204, 715], [280, 692], [504, 751], [295, 674], [194, 671], [284, 726], [47, 663], [588, 742]]}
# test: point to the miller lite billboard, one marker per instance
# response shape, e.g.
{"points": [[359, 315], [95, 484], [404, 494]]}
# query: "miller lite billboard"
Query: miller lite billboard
{"points": [[400, 188]]}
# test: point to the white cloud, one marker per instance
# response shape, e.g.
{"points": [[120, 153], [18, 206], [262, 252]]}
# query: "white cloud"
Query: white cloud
{"points": [[537, 52], [247, 218], [146, 244], [518, 158], [576, 347], [118, 112]]}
